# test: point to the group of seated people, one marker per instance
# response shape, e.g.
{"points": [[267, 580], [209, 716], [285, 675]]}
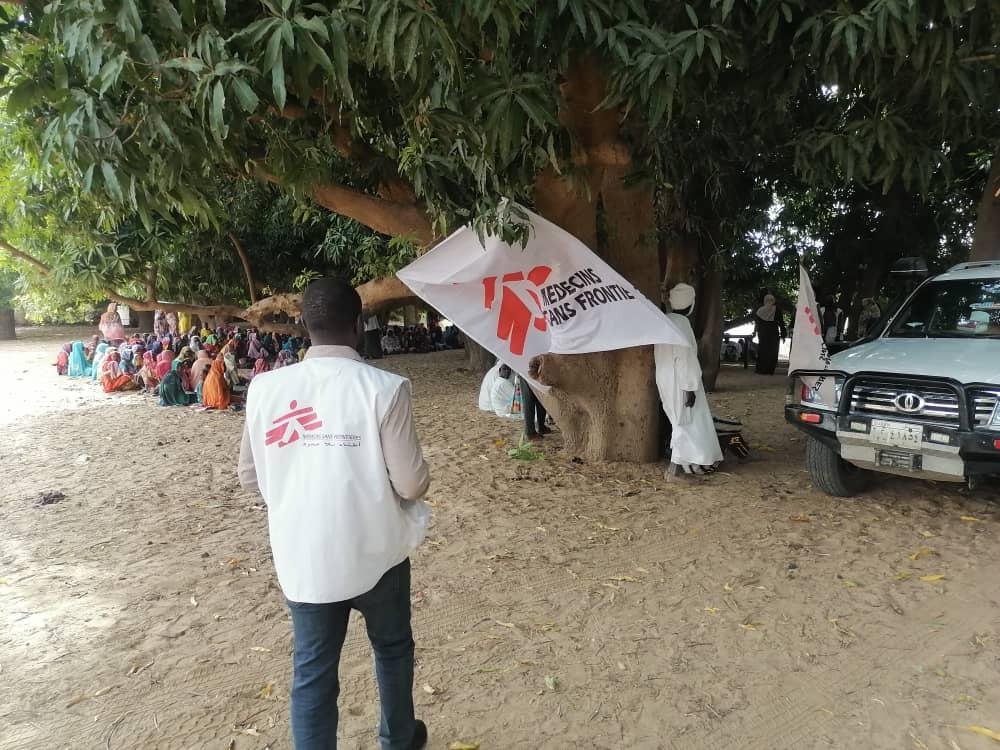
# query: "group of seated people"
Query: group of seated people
{"points": [[201, 367], [419, 339]]}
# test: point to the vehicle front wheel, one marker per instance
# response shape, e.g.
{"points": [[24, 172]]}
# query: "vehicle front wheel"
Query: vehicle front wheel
{"points": [[832, 474]]}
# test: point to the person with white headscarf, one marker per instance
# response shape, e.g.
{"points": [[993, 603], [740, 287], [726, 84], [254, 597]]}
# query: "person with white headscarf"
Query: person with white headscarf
{"points": [[770, 328], [694, 445]]}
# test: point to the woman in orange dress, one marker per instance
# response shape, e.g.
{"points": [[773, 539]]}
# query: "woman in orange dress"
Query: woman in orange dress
{"points": [[112, 377], [215, 391]]}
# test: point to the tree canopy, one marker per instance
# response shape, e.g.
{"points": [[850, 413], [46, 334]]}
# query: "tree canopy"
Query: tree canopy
{"points": [[709, 139]]}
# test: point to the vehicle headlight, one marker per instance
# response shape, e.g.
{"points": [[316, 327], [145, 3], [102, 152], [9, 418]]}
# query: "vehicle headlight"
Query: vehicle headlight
{"points": [[818, 397]]}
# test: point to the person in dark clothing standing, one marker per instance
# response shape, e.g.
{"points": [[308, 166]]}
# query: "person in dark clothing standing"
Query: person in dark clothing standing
{"points": [[771, 331], [534, 413]]}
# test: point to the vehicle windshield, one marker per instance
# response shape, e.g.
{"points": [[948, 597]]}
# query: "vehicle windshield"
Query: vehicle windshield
{"points": [[959, 308]]}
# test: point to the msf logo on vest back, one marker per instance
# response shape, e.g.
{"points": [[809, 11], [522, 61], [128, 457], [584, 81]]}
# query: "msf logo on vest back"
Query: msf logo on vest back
{"points": [[287, 428]]}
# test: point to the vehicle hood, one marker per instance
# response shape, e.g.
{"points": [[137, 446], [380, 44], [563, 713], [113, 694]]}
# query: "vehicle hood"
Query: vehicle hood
{"points": [[964, 360]]}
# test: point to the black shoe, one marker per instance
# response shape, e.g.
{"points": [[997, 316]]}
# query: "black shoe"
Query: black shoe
{"points": [[419, 741]]}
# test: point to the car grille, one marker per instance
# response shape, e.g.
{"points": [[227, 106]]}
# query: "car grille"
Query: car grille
{"points": [[878, 398], [983, 404], [941, 403]]}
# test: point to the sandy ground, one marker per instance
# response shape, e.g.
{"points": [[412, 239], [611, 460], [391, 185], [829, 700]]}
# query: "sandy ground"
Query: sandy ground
{"points": [[556, 605]]}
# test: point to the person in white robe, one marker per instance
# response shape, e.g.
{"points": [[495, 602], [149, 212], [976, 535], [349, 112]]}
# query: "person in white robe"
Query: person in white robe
{"points": [[694, 445], [486, 389], [502, 394]]}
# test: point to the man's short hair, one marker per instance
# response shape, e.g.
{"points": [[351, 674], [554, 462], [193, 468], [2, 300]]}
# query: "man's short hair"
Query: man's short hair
{"points": [[330, 305]]}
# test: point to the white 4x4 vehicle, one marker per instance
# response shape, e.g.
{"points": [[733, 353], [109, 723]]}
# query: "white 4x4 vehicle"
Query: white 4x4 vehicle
{"points": [[921, 399]]}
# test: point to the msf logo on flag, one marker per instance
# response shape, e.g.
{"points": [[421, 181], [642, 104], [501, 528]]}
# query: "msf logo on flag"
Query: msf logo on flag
{"points": [[520, 305], [306, 418]]}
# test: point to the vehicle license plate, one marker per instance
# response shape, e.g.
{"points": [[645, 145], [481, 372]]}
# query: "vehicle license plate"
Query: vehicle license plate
{"points": [[898, 434]]}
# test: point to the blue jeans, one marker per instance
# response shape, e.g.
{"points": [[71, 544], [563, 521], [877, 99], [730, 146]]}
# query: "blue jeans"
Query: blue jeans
{"points": [[319, 631]]}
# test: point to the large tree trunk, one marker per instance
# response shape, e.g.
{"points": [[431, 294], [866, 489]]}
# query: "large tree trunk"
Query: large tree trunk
{"points": [[710, 321], [986, 240], [7, 323], [605, 404], [144, 320], [479, 358]]}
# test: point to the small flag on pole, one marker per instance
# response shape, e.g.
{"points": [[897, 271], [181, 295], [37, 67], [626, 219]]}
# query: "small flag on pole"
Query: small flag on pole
{"points": [[809, 351]]}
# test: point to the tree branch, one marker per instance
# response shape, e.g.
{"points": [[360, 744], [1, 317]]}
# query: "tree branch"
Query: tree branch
{"points": [[32, 261], [151, 283], [241, 253], [393, 218]]}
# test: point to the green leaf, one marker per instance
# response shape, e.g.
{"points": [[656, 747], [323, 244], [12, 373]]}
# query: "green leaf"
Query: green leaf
{"points": [[220, 9], [727, 8], [23, 96], [190, 64], [128, 20], [111, 181], [316, 53], [691, 14], [217, 113], [340, 61], [110, 72], [278, 83], [245, 95], [60, 76], [273, 52], [576, 8], [168, 15]]}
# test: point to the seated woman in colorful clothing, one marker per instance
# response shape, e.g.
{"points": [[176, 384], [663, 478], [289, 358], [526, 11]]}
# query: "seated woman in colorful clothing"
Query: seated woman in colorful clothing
{"points": [[78, 365], [112, 377], [146, 376], [215, 392], [172, 391], [62, 359]]}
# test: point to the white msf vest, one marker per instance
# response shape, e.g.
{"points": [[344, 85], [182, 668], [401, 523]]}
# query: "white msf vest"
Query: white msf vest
{"points": [[336, 524]]}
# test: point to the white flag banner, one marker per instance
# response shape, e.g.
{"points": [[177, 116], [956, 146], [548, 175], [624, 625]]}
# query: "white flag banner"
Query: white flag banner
{"points": [[554, 295], [809, 350]]}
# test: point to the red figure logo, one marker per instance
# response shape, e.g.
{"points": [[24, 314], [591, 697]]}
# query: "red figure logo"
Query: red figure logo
{"points": [[520, 305], [307, 419]]}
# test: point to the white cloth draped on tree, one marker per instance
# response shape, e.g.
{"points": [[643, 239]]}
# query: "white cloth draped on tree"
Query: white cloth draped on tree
{"points": [[693, 439]]}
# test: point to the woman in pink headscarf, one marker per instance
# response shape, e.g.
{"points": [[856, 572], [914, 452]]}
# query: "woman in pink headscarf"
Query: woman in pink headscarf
{"points": [[111, 325], [146, 377], [164, 363]]}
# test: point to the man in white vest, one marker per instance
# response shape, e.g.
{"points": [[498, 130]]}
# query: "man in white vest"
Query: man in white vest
{"points": [[332, 447]]}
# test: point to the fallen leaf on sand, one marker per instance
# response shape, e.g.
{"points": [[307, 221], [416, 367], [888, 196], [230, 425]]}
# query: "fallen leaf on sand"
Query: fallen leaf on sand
{"points": [[265, 692], [430, 690], [552, 683], [933, 578], [766, 448], [137, 669], [233, 562], [903, 575], [194, 602], [711, 610], [621, 666], [504, 624], [984, 732], [104, 691], [852, 584], [922, 552], [459, 745], [624, 579], [262, 649], [252, 731], [750, 625], [970, 519], [801, 519], [926, 534], [606, 527], [499, 443]]}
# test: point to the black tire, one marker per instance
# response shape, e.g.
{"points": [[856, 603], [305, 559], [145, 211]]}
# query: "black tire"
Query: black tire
{"points": [[832, 474]]}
